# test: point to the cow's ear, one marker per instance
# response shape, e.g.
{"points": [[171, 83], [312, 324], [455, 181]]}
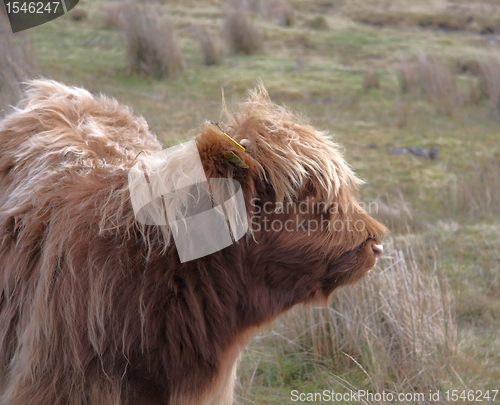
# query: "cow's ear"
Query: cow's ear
{"points": [[221, 155]]}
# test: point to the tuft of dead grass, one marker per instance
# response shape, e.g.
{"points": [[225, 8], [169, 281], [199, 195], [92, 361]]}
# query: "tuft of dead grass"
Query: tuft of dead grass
{"points": [[112, 16], [490, 77], [240, 33], [377, 18], [429, 74], [484, 81], [477, 193], [472, 93], [438, 83], [468, 66], [211, 51], [401, 112], [437, 19], [395, 212], [78, 14], [280, 12], [408, 77], [370, 80], [398, 325], [450, 21], [152, 47], [317, 23]]}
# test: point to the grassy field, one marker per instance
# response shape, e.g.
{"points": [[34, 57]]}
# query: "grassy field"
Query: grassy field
{"points": [[340, 63]]}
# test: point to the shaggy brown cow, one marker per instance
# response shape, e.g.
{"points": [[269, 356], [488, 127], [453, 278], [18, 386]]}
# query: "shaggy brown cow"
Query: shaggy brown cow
{"points": [[97, 309]]}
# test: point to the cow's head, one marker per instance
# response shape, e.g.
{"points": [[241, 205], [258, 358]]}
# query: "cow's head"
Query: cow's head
{"points": [[308, 234]]}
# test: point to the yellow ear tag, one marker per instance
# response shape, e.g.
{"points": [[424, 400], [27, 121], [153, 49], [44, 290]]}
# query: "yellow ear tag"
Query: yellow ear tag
{"points": [[238, 146], [235, 159]]}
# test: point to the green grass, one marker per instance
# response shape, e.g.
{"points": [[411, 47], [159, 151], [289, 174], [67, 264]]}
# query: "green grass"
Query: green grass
{"points": [[328, 90]]}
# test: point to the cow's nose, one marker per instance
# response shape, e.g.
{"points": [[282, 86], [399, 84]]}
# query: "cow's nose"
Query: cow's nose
{"points": [[377, 249]]}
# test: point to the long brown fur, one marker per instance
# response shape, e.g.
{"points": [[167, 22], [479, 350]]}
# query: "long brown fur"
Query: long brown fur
{"points": [[97, 309]]}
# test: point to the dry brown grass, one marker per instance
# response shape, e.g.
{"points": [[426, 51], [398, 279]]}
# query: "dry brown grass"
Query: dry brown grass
{"points": [[280, 12], [472, 93], [446, 21], [487, 24], [78, 14], [210, 49], [436, 81], [484, 81], [469, 66], [395, 211], [17, 63], [241, 34], [317, 23], [377, 18], [112, 16], [152, 47], [370, 80], [401, 112], [408, 76], [490, 75], [477, 193], [433, 18], [398, 325]]}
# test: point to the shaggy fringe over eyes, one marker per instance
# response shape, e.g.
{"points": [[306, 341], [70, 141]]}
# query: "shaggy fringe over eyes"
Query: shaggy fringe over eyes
{"points": [[290, 156], [293, 158]]}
